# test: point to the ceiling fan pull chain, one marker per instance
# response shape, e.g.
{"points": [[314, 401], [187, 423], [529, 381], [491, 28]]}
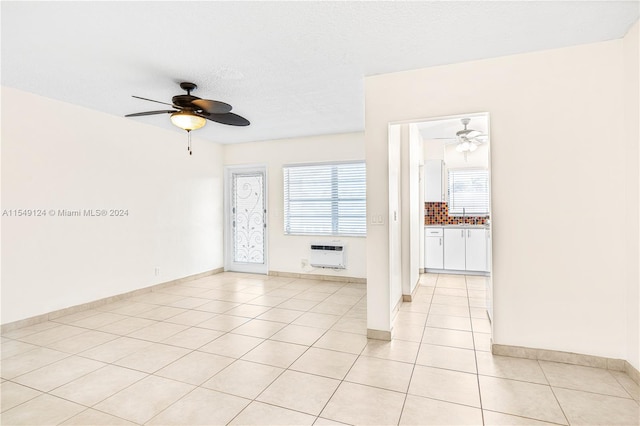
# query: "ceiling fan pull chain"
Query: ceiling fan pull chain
{"points": [[189, 142]]}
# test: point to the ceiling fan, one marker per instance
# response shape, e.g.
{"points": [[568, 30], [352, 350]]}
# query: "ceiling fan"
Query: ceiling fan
{"points": [[191, 112], [468, 139]]}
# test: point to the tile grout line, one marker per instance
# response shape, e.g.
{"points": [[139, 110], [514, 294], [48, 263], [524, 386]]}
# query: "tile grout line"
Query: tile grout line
{"points": [[553, 392], [147, 374], [636, 398], [284, 369], [475, 355], [415, 360], [190, 350], [288, 369], [345, 375], [242, 355]]}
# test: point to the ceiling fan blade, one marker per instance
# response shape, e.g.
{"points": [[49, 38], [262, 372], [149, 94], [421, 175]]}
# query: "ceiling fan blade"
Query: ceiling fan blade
{"points": [[138, 114], [212, 107], [150, 100], [228, 118]]}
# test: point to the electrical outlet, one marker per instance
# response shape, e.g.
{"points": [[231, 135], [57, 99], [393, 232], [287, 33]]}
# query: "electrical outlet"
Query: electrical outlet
{"points": [[156, 271]]}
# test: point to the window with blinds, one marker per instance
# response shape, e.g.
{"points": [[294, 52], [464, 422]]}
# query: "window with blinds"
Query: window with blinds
{"points": [[468, 192], [325, 199]]}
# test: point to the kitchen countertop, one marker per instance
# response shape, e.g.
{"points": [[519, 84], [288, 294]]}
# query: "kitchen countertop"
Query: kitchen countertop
{"points": [[461, 225]]}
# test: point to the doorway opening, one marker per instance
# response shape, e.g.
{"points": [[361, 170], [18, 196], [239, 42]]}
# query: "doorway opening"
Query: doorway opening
{"points": [[446, 169]]}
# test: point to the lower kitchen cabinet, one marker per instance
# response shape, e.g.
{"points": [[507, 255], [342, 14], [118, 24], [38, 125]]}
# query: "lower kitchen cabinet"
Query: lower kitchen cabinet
{"points": [[476, 250], [454, 249], [465, 249], [433, 248]]}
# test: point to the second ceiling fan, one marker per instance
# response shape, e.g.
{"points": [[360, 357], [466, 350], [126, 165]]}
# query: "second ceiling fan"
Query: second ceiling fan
{"points": [[468, 139]]}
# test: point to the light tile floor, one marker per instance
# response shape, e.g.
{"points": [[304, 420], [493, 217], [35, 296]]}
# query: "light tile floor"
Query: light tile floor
{"points": [[247, 349]]}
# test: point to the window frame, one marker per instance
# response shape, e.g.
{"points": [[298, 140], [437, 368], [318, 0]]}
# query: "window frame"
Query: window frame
{"points": [[335, 201], [458, 211]]}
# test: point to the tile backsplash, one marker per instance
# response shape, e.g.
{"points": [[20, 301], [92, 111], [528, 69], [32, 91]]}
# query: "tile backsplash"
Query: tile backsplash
{"points": [[438, 214]]}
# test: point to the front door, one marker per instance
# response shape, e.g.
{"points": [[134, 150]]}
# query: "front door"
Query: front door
{"points": [[246, 223]]}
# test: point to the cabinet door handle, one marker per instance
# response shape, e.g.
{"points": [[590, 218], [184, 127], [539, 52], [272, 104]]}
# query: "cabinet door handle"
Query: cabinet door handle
{"points": [[462, 233], [468, 233], [440, 240]]}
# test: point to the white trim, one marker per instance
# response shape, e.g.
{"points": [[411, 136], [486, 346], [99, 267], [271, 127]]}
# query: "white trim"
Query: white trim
{"points": [[323, 163], [229, 264], [572, 358]]}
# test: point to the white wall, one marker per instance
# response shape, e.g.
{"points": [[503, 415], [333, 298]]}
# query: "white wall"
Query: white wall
{"points": [[412, 217], [558, 252], [287, 251], [433, 149], [395, 217], [416, 207], [631, 46], [421, 182], [60, 156]]}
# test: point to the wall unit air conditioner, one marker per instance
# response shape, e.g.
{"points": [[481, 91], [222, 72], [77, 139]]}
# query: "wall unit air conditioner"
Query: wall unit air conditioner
{"points": [[328, 255]]}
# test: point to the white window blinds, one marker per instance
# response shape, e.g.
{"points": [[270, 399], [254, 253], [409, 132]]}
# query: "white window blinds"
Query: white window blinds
{"points": [[468, 192], [325, 199]]}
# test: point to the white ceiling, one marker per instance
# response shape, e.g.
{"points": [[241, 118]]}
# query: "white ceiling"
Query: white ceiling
{"points": [[291, 68]]}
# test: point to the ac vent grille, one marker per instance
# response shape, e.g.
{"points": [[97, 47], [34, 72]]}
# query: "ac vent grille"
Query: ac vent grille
{"points": [[328, 255], [333, 248]]}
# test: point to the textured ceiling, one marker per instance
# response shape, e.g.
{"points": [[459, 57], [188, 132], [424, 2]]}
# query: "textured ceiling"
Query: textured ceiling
{"points": [[291, 68]]}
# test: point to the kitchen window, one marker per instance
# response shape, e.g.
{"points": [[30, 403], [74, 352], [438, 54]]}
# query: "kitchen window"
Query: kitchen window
{"points": [[468, 192], [325, 199]]}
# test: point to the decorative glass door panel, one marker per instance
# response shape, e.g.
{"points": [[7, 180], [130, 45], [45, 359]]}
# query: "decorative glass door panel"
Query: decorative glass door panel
{"points": [[248, 217]]}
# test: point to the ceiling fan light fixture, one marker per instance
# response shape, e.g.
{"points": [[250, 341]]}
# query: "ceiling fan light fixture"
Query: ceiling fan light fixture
{"points": [[465, 146], [188, 121]]}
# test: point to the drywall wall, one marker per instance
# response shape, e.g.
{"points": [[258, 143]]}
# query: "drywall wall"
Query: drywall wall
{"points": [[395, 218], [416, 208], [411, 218], [59, 157], [287, 251], [631, 89], [558, 261], [421, 182]]}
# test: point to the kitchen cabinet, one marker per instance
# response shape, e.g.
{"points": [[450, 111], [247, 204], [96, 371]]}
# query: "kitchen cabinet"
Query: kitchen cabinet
{"points": [[433, 248], [466, 249], [454, 249], [433, 181], [476, 250]]}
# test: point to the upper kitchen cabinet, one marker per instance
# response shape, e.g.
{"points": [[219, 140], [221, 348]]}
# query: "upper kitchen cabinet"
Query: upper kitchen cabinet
{"points": [[434, 181]]}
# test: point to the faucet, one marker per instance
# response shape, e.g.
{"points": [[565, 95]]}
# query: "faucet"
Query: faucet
{"points": [[463, 216]]}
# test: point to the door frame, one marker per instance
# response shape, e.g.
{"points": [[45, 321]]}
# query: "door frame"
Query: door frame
{"points": [[229, 264]]}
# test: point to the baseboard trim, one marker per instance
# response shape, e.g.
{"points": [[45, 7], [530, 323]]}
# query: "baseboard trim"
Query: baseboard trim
{"points": [[379, 334], [5, 328], [335, 278], [632, 372], [456, 272], [409, 297], [567, 358]]}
